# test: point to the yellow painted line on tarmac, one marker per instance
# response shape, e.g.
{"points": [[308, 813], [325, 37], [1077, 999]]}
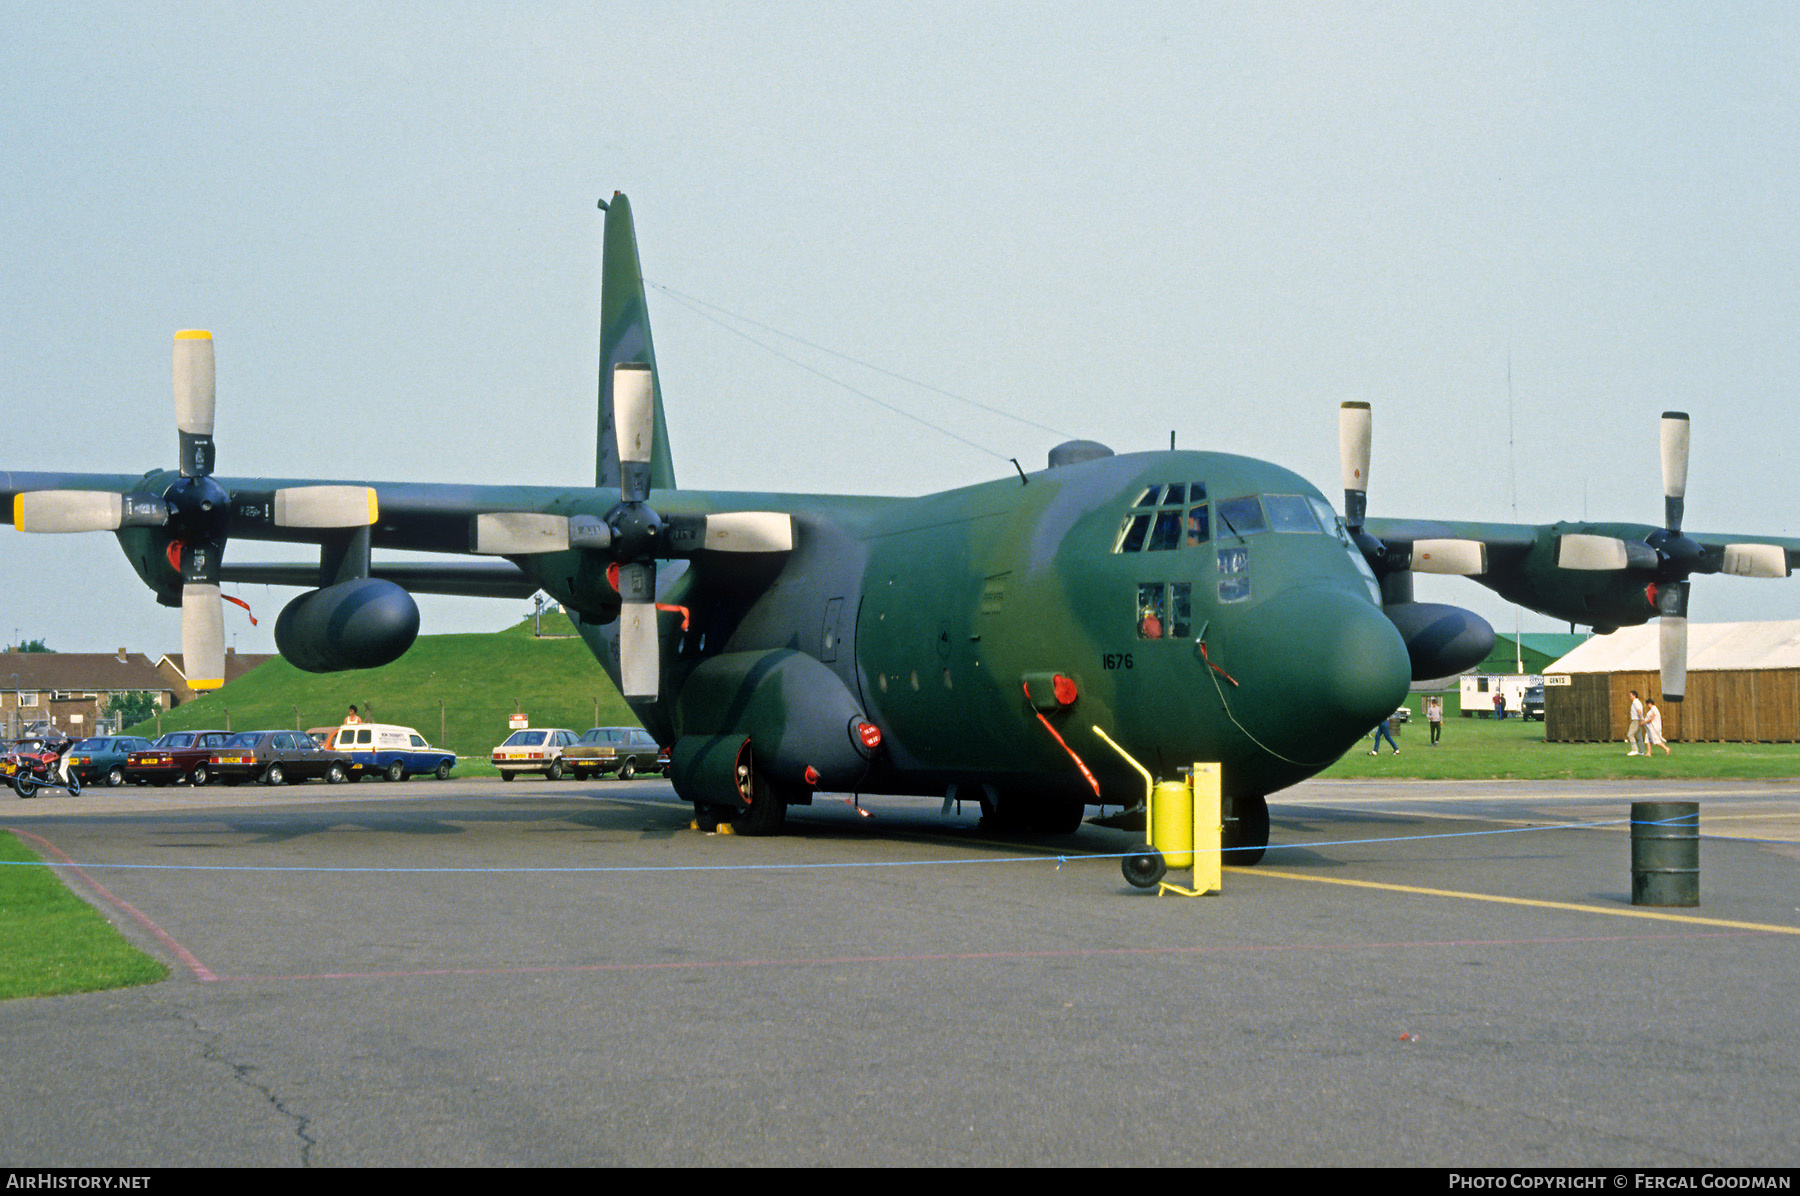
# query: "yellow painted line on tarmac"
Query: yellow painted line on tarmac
{"points": [[1633, 912]]}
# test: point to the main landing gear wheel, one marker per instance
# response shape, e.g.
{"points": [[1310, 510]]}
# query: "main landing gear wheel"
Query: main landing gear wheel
{"points": [[1058, 815], [1012, 811], [1247, 836], [768, 801], [1002, 812]]}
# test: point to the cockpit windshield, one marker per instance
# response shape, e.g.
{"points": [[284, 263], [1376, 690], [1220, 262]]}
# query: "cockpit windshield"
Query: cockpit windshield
{"points": [[1178, 516]]}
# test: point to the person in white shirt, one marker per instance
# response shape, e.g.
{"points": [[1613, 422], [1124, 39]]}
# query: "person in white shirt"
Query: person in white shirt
{"points": [[1634, 731], [1653, 732]]}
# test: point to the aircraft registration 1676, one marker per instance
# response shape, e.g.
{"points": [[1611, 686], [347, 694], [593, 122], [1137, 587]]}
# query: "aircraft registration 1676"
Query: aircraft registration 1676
{"points": [[1193, 606]]}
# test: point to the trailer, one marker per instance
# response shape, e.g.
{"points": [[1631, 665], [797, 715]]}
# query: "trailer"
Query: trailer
{"points": [[1478, 690]]}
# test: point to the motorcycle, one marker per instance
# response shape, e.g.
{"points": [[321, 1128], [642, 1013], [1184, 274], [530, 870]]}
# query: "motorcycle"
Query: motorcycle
{"points": [[29, 769]]}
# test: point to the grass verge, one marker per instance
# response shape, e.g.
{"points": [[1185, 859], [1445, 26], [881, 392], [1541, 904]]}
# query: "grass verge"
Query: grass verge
{"points": [[1483, 749], [52, 941]]}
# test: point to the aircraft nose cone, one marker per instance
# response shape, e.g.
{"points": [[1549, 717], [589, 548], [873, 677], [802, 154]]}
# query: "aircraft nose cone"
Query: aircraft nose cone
{"points": [[1342, 661]]}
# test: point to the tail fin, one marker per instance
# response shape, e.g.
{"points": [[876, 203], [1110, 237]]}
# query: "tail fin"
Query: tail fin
{"points": [[625, 337]]}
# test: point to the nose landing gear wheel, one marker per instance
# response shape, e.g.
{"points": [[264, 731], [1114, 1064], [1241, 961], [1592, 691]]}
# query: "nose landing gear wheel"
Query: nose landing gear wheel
{"points": [[1246, 834]]}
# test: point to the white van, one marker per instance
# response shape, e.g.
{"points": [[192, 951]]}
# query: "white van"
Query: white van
{"points": [[390, 751]]}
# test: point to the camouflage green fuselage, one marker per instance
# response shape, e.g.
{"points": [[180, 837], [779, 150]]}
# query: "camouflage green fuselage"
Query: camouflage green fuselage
{"points": [[933, 611]]}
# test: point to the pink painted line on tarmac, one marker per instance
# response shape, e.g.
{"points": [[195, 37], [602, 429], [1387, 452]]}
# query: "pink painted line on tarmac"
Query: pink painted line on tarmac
{"points": [[978, 956], [162, 936]]}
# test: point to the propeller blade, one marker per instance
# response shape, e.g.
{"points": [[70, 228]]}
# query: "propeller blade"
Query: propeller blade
{"points": [[68, 511], [518, 533], [194, 401], [1672, 606], [326, 506], [640, 647], [640, 651], [202, 635], [1465, 558], [634, 427], [1674, 466], [1674, 656], [1602, 553], [1755, 560], [1355, 434], [731, 531]]}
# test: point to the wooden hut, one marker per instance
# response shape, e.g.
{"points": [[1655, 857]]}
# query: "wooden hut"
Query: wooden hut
{"points": [[1743, 685]]}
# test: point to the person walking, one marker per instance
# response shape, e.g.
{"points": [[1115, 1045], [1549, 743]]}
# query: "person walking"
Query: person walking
{"points": [[1434, 717], [1634, 729], [1380, 731], [1653, 732]]}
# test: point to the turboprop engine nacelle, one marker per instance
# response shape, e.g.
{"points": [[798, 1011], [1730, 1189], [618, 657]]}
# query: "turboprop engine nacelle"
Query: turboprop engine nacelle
{"points": [[1440, 640], [359, 624]]}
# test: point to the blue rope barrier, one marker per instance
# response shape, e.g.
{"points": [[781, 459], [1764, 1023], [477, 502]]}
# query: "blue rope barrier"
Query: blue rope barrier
{"points": [[1058, 860]]}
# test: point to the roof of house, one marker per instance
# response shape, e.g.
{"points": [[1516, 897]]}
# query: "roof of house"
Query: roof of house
{"points": [[1711, 647], [85, 671], [236, 663]]}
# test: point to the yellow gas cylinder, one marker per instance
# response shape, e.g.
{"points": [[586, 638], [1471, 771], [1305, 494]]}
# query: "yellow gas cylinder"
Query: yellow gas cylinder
{"points": [[1172, 830]]}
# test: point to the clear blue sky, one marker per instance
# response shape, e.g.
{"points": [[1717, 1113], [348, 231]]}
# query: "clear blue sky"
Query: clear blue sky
{"points": [[1111, 219]]}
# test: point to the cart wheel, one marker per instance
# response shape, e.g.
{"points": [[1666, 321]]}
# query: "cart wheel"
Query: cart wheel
{"points": [[1146, 869]]}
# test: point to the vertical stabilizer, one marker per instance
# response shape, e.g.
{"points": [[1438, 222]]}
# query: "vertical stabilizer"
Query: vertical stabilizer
{"points": [[625, 337]]}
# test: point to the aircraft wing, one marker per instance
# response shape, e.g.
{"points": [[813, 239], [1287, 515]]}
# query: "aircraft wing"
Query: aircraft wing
{"points": [[1507, 544], [420, 516]]}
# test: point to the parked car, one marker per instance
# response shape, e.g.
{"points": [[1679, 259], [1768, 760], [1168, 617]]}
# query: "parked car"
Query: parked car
{"points": [[538, 749], [391, 751], [177, 756], [103, 757], [277, 757], [1532, 707], [1402, 715], [624, 750]]}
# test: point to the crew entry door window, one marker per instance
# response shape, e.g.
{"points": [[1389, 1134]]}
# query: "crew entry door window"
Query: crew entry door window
{"points": [[1165, 610]]}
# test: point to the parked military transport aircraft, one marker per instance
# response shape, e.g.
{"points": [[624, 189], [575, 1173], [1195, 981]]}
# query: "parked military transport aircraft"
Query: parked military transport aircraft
{"points": [[1191, 605]]}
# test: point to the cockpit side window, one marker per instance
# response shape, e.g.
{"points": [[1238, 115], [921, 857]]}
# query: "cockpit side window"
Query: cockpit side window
{"points": [[1167, 532], [1197, 532], [1131, 533]]}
